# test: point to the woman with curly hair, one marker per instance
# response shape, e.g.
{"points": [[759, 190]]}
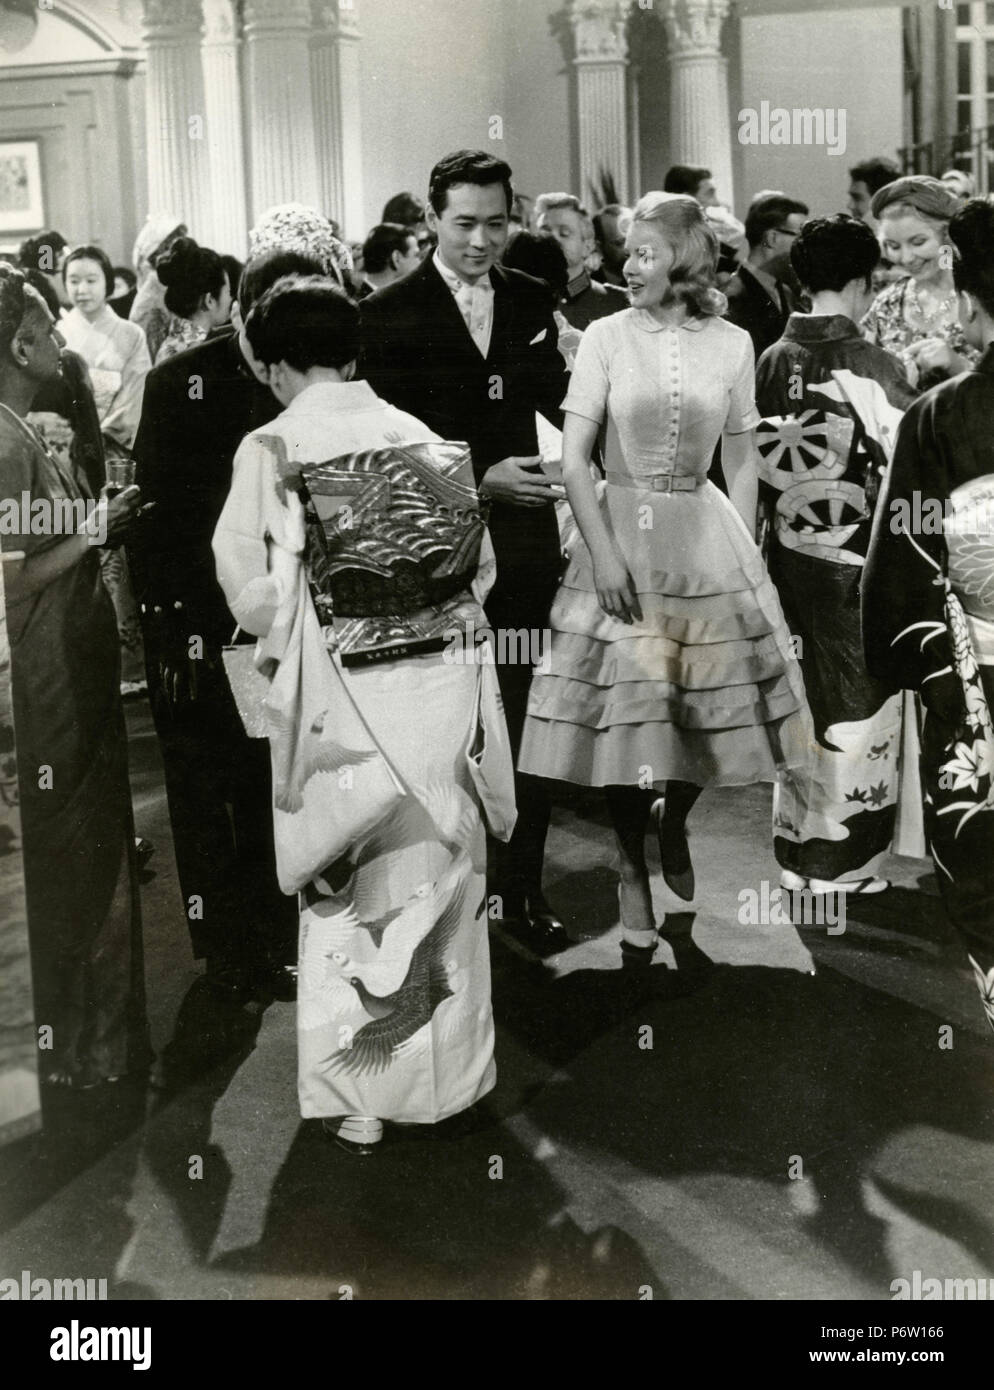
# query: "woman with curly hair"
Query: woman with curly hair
{"points": [[670, 666]]}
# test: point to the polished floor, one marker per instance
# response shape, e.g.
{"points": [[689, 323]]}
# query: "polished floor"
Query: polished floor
{"points": [[772, 1112]]}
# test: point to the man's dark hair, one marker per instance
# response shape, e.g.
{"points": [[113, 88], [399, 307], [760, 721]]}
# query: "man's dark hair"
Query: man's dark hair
{"points": [[685, 178], [125, 273], [468, 166], [13, 302], [381, 243], [306, 322], [768, 213], [831, 251], [405, 209], [541, 256], [875, 173], [46, 245], [234, 267], [609, 210], [91, 253], [263, 271], [971, 231]]}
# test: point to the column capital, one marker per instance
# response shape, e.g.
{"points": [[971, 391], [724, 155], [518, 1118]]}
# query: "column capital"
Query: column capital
{"points": [[337, 19], [220, 21], [693, 27], [164, 21], [276, 16], [599, 30]]}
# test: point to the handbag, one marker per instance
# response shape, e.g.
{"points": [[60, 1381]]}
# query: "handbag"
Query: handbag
{"points": [[249, 686]]}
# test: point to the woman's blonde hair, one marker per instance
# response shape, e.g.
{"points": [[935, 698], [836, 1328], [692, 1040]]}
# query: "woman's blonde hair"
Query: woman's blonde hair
{"points": [[680, 219]]}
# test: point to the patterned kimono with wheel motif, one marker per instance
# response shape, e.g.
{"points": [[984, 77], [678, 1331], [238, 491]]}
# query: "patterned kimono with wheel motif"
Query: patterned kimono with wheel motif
{"points": [[831, 404], [928, 624], [393, 1009]]}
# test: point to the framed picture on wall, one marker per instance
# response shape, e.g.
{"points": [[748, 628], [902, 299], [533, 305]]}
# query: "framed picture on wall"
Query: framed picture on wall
{"points": [[21, 205]]}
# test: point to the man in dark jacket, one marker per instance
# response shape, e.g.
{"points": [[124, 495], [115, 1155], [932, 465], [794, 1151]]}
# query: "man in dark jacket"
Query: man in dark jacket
{"points": [[470, 348], [760, 299], [197, 408]]}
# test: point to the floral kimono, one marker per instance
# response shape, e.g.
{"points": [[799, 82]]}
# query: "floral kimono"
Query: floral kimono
{"points": [[886, 325], [831, 405], [928, 620], [376, 797]]}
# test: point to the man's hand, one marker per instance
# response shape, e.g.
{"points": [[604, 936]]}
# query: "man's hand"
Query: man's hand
{"points": [[935, 354], [515, 481], [121, 510]]}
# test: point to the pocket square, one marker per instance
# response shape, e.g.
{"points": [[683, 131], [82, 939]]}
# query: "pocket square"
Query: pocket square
{"points": [[539, 337]]}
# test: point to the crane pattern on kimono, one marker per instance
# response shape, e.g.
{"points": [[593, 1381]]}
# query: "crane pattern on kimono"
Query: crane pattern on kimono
{"points": [[397, 1016]]}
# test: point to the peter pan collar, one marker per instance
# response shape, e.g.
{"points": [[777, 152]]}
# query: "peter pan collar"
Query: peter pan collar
{"points": [[649, 324]]}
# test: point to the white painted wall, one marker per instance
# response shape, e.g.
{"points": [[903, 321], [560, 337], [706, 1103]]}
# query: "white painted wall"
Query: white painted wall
{"points": [[842, 59]]}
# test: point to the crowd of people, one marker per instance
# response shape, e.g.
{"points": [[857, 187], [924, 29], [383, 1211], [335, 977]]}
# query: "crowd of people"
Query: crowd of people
{"points": [[687, 457]]}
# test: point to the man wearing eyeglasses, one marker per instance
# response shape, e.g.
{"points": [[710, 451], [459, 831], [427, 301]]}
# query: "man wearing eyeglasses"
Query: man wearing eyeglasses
{"points": [[760, 297]]}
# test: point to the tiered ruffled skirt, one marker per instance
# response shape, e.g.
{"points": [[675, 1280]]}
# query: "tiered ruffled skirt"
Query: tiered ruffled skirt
{"points": [[706, 688]]}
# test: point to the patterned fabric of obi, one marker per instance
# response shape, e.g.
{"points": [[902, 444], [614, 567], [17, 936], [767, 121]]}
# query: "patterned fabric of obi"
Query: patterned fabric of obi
{"points": [[393, 544]]}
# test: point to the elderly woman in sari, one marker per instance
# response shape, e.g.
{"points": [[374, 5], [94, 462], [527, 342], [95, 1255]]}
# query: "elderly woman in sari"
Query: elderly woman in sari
{"points": [[915, 318], [350, 535], [928, 600], [79, 850]]}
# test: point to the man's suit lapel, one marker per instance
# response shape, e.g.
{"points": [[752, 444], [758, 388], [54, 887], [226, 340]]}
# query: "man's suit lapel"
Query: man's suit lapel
{"points": [[503, 314]]}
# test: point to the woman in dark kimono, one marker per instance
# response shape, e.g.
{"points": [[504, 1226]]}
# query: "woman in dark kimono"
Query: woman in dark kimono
{"points": [[928, 600], [831, 404], [84, 916]]}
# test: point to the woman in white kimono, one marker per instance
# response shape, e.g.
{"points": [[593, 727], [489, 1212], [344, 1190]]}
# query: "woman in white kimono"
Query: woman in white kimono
{"points": [[351, 527], [116, 354]]}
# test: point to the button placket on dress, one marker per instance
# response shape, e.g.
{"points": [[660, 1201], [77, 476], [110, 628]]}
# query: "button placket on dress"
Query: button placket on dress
{"points": [[672, 435]]}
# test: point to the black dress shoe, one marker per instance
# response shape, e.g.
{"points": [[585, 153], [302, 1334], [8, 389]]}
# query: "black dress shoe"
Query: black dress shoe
{"points": [[534, 923], [542, 917]]}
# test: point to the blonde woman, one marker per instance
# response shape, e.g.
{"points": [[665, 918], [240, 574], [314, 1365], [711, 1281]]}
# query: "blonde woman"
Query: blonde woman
{"points": [[916, 318], [670, 665]]}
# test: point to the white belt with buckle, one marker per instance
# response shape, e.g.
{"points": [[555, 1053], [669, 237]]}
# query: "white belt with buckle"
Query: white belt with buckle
{"points": [[656, 482]]}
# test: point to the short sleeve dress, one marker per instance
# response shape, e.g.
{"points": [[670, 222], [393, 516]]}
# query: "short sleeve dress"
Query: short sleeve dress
{"points": [[705, 689]]}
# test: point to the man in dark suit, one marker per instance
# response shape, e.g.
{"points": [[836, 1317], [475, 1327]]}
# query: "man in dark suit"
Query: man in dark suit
{"points": [[388, 254], [197, 408], [469, 347], [760, 299]]}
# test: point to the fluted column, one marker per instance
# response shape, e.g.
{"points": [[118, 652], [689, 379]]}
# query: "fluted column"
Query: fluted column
{"points": [[337, 122], [601, 63], [282, 153], [225, 227], [175, 109], [700, 130]]}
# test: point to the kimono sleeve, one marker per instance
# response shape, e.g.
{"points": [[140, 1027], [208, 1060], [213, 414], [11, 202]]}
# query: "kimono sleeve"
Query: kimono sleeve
{"points": [[742, 414], [122, 420], [258, 539], [589, 383], [905, 637]]}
